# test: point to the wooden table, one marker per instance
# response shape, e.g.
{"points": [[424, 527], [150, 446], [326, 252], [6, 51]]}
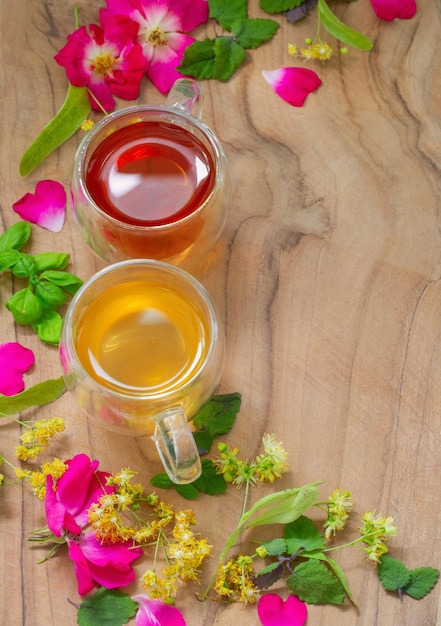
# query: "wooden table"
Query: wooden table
{"points": [[327, 280]]}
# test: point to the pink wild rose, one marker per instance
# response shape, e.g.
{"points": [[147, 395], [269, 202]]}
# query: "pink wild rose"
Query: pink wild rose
{"points": [[163, 25], [105, 60], [80, 486], [156, 613], [15, 359], [95, 563]]}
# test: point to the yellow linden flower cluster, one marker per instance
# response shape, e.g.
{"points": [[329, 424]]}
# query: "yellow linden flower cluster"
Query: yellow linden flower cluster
{"points": [[36, 438], [234, 580], [375, 531], [37, 479], [339, 504], [185, 553]]}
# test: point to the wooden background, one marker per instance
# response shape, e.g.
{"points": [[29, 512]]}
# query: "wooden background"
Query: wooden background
{"points": [[327, 279]]}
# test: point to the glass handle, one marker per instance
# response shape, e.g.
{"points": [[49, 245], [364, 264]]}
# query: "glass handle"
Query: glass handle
{"points": [[187, 94], [176, 446]]}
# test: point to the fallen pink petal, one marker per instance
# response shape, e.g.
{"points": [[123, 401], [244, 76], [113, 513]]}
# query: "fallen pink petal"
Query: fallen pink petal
{"points": [[156, 613], [392, 9], [274, 611], [292, 84], [15, 359], [46, 207]]}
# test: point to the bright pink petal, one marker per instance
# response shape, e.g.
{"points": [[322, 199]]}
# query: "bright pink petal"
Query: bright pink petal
{"points": [[108, 565], [156, 613], [273, 611], [46, 207], [15, 359], [162, 71], [392, 9], [293, 84]]}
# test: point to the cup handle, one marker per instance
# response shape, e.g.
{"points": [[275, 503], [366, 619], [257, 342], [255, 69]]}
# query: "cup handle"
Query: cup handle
{"points": [[187, 94], [176, 446]]}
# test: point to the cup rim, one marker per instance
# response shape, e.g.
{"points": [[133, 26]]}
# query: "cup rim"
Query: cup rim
{"points": [[214, 326], [82, 153]]}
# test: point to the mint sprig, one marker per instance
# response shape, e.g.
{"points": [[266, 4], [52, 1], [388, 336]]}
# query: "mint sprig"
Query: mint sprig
{"points": [[395, 576], [111, 607], [48, 288]]}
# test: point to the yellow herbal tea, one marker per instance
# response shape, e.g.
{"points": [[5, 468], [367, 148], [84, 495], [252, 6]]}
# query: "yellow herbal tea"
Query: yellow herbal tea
{"points": [[142, 337]]}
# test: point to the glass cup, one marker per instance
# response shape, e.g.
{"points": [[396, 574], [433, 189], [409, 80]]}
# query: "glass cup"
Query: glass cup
{"points": [[152, 182], [141, 350]]}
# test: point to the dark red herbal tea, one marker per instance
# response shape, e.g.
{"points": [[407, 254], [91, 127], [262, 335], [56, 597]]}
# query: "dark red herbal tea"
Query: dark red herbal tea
{"points": [[150, 173]]}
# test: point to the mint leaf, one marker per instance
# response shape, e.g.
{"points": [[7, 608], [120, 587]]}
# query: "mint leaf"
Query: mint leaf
{"points": [[108, 607], [278, 6], [24, 306], [15, 236], [227, 12], [38, 395], [66, 122], [393, 574], [314, 583], [218, 414], [340, 31], [210, 482], [252, 32], [229, 55], [199, 60], [51, 261], [48, 327], [334, 567], [422, 580], [301, 534], [275, 547]]}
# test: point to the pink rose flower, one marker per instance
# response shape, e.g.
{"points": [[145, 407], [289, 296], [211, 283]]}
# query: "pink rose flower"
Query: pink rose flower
{"points": [[79, 487], [15, 359], [156, 613], [95, 563], [105, 60], [163, 25]]}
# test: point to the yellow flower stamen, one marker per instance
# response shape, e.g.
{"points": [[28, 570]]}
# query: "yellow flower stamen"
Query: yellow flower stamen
{"points": [[156, 37]]}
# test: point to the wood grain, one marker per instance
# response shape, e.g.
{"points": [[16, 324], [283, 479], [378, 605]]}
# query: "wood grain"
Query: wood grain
{"points": [[327, 280]]}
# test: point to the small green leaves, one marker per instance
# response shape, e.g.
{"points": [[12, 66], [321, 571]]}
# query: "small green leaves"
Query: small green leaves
{"points": [[67, 121], [220, 57], [107, 607], [216, 417], [395, 576], [301, 534], [339, 30], [209, 482], [278, 6], [48, 284], [38, 395], [314, 583]]}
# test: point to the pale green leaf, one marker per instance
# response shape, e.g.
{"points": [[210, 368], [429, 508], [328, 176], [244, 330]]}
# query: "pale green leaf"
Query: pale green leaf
{"points": [[38, 395], [339, 30], [66, 122], [281, 507]]}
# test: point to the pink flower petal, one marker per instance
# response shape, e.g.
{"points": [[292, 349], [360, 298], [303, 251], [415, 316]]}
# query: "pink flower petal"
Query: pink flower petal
{"points": [[156, 613], [293, 84], [392, 9], [46, 207], [273, 611], [15, 359]]}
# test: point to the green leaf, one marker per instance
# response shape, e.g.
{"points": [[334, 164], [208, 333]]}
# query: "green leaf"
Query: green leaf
{"points": [[301, 534], [340, 31], [51, 261], [251, 33], [7, 258], [107, 607], [24, 306], [227, 12], [278, 6], [275, 547], [162, 481], [66, 122], [50, 296], [336, 569], [282, 507], [24, 267], [48, 327], [217, 416], [422, 580], [69, 282], [393, 574], [15, 236], [229, 56], [38, 395], [269, 575], [210, 482], [314, 583]]}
